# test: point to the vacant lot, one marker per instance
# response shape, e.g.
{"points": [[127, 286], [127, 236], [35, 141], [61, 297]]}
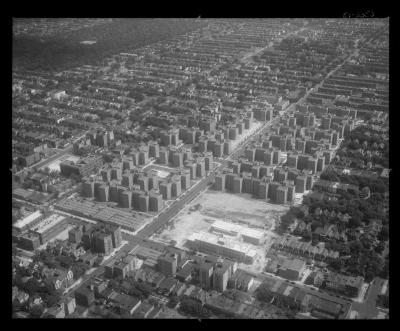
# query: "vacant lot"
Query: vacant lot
{"points": [[241, 208], [211, 206]]}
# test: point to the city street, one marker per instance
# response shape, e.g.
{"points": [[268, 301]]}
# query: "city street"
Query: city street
{"points": [[368, 308]]}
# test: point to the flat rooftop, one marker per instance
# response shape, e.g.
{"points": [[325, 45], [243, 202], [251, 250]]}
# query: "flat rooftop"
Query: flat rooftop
{"points": [[126, 219], [238, 229], [223, 242], [48, 223], [27, 220]]}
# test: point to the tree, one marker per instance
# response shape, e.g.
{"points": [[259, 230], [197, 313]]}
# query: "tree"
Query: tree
{"points": [[108, 158], [52, 299], [337, 265], [194, 307], [47, 289], [144, 289], [65, 261], [75, 177], [315, 225], [385, 271], [329, 175], [53, 173], [112, 284], [16, 306], [384, 233], [297, 212], [78, 271], [173, 301], [356, 246], [380, 248], [31, 286], [286, 220], [374, 266], [307, 235], [355, 220], [135, 292], [36, 311], [263, 293]]}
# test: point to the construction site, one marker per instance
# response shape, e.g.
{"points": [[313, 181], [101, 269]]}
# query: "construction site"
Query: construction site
{"points": [[234, 226]]}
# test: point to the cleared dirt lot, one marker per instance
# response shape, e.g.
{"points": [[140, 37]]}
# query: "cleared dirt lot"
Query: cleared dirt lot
{"points": [[236, 208]]}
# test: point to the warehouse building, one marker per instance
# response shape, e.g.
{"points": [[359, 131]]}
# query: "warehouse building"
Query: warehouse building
{"points": [[248, 235], [50, 227], [292, 269], [28, 221], [221, 246]]}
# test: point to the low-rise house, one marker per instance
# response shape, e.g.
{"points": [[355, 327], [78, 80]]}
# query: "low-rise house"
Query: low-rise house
{"points": [[22, 297], [154, 313], [316, 278], [157, 280], [88, 258], [35, 300], [144, 310], [69, 305], [325, 309], [126, 303], [84, 295], [179, 289], [347, 285], [167, 286], [292, 269], [198, 294], [107, 294], [78, 252], [60, 279], [185, 274], [56, 312], [241, 281]]}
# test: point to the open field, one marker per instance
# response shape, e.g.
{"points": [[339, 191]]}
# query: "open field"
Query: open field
{"points": [[241, 208]]}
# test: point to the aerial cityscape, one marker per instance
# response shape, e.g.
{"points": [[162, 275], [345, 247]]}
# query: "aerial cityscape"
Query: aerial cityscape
{"points": [[201, 168]]}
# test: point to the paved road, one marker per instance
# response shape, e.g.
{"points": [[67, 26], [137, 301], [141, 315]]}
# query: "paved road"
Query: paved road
{"points": [[367, 309]]}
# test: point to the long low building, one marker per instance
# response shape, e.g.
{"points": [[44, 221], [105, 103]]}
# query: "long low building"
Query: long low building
{"points": [[252, 236], [28, 221], [305, 249], [218, 245], [50, 227], [127, 220]]}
